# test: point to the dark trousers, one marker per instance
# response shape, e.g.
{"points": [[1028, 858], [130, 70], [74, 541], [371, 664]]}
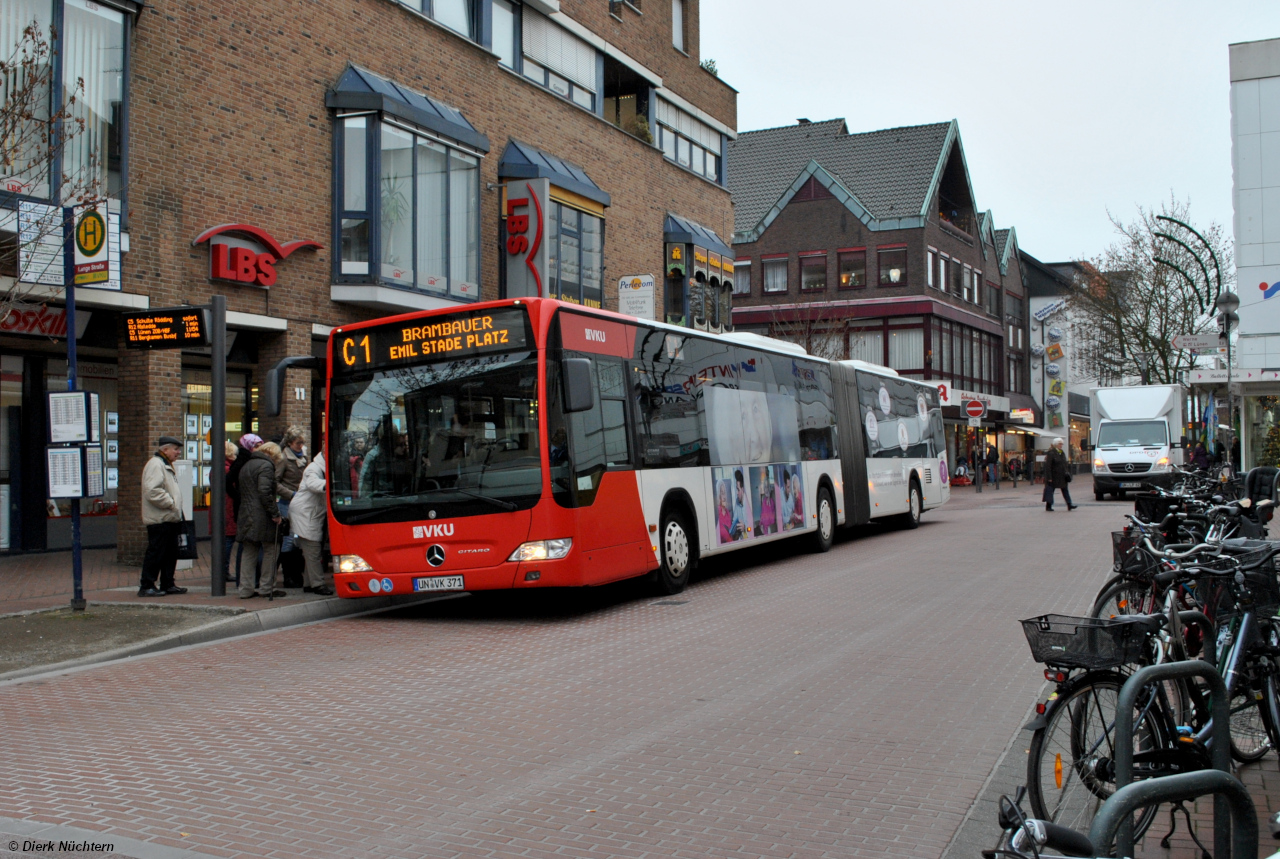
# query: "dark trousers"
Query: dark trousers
{"points": [[162, 555], [1048, 494]]}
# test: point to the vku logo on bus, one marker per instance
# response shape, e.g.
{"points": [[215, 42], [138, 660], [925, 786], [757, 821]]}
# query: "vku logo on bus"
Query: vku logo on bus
{"points": [[422, 532]]}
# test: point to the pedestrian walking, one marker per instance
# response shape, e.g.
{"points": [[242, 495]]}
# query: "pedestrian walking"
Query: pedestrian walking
{"points": [[993, 465], [1056, 476], [258, 525], [1200, 457], [307, 519], [162, 514]]}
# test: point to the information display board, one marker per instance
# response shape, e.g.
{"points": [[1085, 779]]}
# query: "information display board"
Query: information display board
{"points": [[167, 328], [436, 338], [75, 472], [73, 417]]}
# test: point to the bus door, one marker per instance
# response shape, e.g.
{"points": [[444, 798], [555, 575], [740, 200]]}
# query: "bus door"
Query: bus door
{"points": [[596, 475], [853, 448]]}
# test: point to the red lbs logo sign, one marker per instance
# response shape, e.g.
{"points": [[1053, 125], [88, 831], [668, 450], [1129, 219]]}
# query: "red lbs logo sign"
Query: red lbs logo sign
{"points": [[241, 253]]}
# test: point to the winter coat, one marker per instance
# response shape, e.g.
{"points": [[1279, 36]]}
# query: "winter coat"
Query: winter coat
{"points": [[307, 510], [1055, 468], [257, 501], [289, 473], [233, 479], [160, 492]]}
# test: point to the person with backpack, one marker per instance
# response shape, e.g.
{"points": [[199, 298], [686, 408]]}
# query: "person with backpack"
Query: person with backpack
{"points": [[993, 465]]}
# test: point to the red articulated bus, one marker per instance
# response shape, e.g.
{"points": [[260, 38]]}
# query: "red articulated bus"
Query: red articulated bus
{"points": [[535, 443]]}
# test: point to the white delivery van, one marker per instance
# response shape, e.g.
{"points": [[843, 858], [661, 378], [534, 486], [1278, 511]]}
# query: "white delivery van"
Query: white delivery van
{"points": [[1135, 433]]}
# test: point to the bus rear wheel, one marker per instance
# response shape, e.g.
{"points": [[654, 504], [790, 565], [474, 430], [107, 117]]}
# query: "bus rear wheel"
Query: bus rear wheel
{"points": [[825, 535], [915, 506], [677, 553]]}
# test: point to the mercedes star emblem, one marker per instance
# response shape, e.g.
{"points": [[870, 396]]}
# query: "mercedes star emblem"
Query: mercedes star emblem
{"points": [[435, 555], [1129, 467]]}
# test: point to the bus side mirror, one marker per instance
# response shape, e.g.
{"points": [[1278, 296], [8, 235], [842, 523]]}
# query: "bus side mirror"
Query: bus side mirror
{"points": [[273, 388], [578, 395]]}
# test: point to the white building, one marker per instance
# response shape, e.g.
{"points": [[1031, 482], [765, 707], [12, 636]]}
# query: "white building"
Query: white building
{"points": [[1255, 157]]}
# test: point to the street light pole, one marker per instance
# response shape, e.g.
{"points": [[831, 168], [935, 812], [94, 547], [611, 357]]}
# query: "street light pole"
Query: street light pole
{"points": [[1227, 304]]}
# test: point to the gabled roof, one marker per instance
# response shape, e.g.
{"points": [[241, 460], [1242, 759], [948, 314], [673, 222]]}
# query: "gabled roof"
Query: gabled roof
{"points": [[361, 89], [678, 229], [986, 231], [1006, 244], [522, 161], [891, 174]]}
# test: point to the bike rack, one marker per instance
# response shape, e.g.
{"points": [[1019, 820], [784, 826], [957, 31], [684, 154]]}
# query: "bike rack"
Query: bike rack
{"points": [[1220, 712], [1118, 810], [1210, 643]]}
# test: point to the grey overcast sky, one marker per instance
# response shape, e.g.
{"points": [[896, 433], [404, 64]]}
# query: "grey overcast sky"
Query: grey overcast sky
{"points": [[1067, 111]]}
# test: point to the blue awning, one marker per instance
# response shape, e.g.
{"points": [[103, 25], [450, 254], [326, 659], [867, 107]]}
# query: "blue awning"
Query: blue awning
{"points": [[678, 229], [361, 89], [522, 161]]}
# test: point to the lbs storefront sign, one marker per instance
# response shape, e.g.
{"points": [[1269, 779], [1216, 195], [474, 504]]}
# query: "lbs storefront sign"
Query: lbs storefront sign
{"points": [[241, 253], [525, 214]]}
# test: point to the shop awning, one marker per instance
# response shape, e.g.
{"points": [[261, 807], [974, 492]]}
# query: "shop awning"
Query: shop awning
{"points": [[361, 89], [522, 161], [1033, 430], [683, 230]]}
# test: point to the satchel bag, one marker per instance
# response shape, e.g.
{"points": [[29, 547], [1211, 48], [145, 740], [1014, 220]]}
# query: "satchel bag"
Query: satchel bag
{"points": [[187, 548]]}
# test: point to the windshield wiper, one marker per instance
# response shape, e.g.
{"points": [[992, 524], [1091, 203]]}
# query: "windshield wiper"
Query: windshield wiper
{"points": [[496, 502]]}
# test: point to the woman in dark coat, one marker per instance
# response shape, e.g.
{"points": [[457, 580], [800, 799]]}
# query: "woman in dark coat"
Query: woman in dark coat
{"points": [[257, 526], [1056, 476]]}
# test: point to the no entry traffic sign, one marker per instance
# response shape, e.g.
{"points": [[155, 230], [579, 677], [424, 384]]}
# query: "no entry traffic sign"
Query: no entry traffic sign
{"points": [[975, 408]]}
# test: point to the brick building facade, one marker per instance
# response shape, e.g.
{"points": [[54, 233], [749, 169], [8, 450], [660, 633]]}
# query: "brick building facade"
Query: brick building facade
{"points": [[324, 121], [871, 246]]}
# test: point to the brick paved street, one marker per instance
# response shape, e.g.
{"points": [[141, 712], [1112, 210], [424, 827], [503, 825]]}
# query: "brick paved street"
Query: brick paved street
{"points": [[847, 704]]}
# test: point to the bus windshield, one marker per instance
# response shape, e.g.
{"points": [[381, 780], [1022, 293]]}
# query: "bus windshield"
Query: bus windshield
{"points": [[451, 438], [1133, 434]]}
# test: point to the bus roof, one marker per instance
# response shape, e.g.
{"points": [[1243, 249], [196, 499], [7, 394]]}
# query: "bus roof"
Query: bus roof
{"points": [[868, 367]]}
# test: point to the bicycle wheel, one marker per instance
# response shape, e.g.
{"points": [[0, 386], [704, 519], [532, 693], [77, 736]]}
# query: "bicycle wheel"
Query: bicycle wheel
{"points": [[1121, 597], [1071, 764], [1269, 700]]}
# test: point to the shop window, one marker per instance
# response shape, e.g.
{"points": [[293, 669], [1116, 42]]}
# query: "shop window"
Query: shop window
{"points": [[893, 267], [906, 349], [853, 269], [867, 343], [626, 99], [420, 197], [742, 277], [575, 255], [775, 275], [558, 60], [813, 273], [197, 411]]}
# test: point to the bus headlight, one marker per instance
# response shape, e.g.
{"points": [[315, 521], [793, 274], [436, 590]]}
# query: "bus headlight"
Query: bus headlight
{"points": [[352, 564], [542, 550]]}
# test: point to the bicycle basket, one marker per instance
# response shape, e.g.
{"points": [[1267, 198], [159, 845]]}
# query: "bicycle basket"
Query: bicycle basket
{"points": [[1084, 642], [1215, 594], [1130, 558], [1152, 507]]}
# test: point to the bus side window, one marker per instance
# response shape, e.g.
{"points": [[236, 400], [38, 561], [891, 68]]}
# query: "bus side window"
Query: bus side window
{"points": [[597, 436]]}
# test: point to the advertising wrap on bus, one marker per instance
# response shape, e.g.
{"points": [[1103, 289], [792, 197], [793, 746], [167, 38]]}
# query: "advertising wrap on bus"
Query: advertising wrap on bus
{"points": [[531, 443]]}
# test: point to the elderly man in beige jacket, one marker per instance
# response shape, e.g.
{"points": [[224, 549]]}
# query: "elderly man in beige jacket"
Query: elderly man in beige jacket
{"points": [[162, 514]]}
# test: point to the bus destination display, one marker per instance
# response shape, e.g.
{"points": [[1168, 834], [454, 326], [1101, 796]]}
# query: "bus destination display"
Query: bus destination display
{"points": [[169, 328], [433, 339]]}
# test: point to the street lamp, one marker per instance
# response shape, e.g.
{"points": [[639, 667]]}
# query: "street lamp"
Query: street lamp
{"points": [[1227, 304]]}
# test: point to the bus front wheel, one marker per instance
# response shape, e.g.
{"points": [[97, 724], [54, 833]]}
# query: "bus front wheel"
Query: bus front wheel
{"points": [[677, 556]]}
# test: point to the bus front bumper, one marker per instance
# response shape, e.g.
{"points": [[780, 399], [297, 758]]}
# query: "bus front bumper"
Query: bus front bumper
{"points": [[560, 573]]}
